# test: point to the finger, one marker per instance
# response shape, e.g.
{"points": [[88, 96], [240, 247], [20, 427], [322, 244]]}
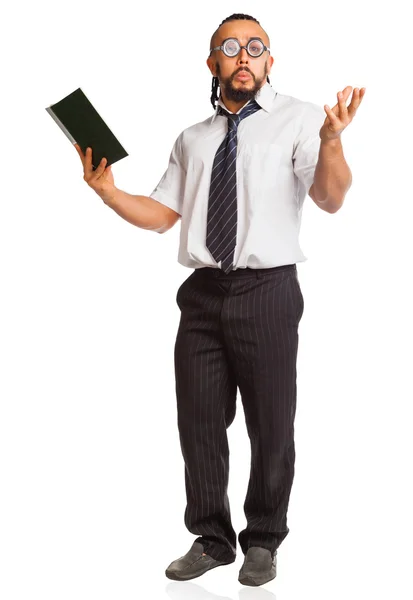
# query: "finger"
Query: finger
{"points": [[335, 121], [100, 169], [342, 104], [362, 91], [355, 101], [329, 112], [335, 109], [80, 153], [88, 162], [79, 149]]}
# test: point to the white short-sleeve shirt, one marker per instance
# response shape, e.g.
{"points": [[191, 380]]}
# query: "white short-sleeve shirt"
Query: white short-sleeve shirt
{"points": [[277, 154]]}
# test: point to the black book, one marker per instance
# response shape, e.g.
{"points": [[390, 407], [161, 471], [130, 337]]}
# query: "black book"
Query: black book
{"points": [[81, 123]]}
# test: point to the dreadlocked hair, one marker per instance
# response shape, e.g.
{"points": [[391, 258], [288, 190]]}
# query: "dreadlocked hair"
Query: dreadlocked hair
{"points": [[215, 81]]}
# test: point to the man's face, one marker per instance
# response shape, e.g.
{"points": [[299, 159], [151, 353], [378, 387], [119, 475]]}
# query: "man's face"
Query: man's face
{"points": [[241, 76]]}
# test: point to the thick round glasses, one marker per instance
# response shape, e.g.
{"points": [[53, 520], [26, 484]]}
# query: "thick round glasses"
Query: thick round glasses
{"points": [[231, 47]]}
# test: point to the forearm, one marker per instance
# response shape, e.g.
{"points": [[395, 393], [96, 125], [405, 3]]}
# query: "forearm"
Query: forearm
{"points": [[141, 211], [332, 177]]}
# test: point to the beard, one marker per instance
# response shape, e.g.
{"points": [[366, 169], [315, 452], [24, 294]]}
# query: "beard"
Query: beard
{"points": [[239, 94]]}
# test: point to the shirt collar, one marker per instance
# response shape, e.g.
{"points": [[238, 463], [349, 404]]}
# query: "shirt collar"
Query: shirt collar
{"points": [[264, 97]]}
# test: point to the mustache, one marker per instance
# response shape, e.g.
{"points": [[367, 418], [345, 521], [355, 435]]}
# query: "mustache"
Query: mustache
{"points": [[243, 69]]}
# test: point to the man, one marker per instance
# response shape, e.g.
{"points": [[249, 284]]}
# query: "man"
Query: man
{"points": [[238, 181]]}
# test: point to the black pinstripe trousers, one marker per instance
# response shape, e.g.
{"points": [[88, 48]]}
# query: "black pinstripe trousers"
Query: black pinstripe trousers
{"points": [[237, 330]]}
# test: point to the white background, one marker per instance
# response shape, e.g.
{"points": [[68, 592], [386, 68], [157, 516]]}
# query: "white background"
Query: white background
{"points": [[91, 474]]}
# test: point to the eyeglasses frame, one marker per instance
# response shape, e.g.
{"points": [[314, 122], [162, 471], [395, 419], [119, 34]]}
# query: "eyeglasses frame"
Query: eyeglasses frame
{"points": [[241, 47]]}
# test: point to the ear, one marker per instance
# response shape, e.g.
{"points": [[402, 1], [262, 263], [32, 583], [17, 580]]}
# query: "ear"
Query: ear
{"points": [[211, 65]]}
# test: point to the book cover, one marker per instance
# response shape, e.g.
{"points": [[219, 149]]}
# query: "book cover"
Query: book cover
{"points": [[82, 124]]}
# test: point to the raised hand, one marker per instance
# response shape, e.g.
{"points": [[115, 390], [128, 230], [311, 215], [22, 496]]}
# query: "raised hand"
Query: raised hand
{"points": [[341, 115]]}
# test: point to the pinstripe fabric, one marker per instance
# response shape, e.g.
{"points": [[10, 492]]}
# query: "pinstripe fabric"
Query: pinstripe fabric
{"points": [[237, 330], [222, 204]]}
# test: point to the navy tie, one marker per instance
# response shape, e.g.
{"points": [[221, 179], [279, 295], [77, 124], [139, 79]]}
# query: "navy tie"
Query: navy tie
{"points": [[222, 206]]}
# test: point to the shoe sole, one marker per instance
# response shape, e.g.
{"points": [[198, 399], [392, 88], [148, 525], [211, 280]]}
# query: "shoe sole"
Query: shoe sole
{"points": [[176, 577], [246, 580]]}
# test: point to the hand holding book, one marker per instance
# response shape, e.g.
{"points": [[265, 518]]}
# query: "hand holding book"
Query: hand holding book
{"points": [[98, 149], [101, 179]]}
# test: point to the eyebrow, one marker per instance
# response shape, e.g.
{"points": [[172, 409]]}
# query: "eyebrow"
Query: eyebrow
{"points": [[250, 39]]}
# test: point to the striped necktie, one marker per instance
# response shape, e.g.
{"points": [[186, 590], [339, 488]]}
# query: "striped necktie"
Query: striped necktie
{"points": [[222, 206]]}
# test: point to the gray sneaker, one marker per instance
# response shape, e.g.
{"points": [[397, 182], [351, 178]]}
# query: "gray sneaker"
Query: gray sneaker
{"points": [[193, 564], [259, 566]]}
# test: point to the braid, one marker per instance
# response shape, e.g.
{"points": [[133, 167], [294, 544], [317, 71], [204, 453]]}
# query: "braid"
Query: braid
{"points": [[214, 91], [215, 81]]}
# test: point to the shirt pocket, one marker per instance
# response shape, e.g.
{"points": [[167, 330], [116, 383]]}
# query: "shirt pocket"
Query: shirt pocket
{"points": [[261, 166]]}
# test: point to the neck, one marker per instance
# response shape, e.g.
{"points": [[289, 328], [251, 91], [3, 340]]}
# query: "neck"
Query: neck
{"points": [[231, 105]]}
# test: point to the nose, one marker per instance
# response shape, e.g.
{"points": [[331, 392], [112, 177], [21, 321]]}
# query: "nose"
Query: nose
{"points": [[243, 56]]}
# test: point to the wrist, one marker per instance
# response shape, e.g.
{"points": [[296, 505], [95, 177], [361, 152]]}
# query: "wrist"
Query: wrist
{"points": [[331, 142], [109, 197]]}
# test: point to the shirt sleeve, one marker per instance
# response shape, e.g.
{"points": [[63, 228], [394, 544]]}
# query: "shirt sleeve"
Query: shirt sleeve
{"points": [[170, 189], [307, 144]]}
